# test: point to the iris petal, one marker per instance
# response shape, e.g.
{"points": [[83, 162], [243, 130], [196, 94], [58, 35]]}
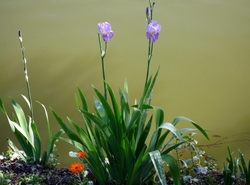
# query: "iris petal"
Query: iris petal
{"points": [[106, 31], [153, 30]]}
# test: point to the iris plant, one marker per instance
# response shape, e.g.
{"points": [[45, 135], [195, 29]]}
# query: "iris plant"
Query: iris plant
{"points": [[114, 136], [26, 132]]}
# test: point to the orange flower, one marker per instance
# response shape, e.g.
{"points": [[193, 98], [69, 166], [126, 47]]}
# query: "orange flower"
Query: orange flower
{"points": [[81, 154], [76, 167]]}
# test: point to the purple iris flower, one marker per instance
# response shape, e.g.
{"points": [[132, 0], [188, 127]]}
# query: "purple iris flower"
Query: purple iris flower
{"points": [[105, 29], [153, 30]]}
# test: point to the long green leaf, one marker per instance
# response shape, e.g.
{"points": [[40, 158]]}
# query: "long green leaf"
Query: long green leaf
{"points": [[114, 103], [78, 145], [83, 100], [112, 122], [171, 128], [158, 164], [100, 110], [2, 106], [37, 143], [20, 131], [133, 121], [135, 170], [25, 145], [174, 168], [168, 150], [125, 109], [47, 119], [88, 124], [178, 118], [100, 123], [142, 140], [89, 144], [66, 128], [21, 118], [52, 141], [109, 135], [244, 166]]}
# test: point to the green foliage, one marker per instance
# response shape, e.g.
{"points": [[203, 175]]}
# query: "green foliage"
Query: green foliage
{"points": [[27, 135], [158, 159], [26, 132], [174, 169], [34, 179], [230, 172], [244, 169], [5, 178], [158, 164], [115, 137]]}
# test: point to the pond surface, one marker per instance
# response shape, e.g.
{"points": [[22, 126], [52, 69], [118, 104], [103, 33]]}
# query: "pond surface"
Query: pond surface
{"points": [[203, 53]]}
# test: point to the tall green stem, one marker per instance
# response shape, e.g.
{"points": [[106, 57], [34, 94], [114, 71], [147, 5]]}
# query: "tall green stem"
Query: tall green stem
{"points": [[26, 78], [103, 54], [150, 53]]}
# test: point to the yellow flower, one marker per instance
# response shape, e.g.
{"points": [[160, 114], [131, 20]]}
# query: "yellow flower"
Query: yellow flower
{"points": [[81, 154], [76, 167]]}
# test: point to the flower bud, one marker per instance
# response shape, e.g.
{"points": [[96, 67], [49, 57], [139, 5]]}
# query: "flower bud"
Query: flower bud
{"points": [[147, 12], [20, 36], [153, 5], [19, 33]]}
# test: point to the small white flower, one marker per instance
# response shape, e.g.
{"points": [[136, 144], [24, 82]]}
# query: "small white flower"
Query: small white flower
{"points": [[85, 173], [72, 154]]}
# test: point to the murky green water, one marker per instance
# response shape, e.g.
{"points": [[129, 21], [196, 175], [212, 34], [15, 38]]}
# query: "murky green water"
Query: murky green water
{"points": [[203, 51]]}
